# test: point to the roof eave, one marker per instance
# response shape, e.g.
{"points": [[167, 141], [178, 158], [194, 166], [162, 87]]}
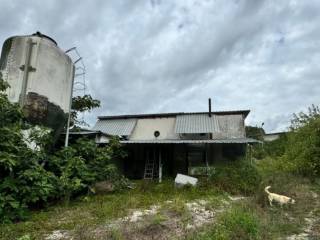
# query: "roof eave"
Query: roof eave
{"points": [[245, 113]]}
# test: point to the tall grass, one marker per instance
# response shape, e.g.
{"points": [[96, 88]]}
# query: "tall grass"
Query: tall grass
{"points": [[236, 177], [239, 222]]}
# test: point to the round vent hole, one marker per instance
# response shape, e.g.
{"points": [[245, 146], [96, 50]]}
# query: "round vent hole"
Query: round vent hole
{"points": [[156, 133]]}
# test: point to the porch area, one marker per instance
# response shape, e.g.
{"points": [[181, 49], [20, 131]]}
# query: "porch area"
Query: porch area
{"points": [[162, 159]]}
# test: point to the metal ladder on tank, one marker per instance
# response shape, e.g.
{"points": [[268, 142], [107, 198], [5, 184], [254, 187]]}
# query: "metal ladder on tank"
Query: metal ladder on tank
{"points": [[150, 165]]}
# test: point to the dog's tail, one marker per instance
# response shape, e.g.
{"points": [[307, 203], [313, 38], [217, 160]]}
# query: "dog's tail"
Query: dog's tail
{"points": [[267, 188]]}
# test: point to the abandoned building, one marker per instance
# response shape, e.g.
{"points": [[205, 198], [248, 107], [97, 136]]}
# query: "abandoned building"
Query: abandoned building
{"points": [[165, 144]]}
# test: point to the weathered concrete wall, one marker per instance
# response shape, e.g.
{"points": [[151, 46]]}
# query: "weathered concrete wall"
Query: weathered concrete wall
{"points": [[145, 128], [50, 73], [40, 76], [230, 126]]}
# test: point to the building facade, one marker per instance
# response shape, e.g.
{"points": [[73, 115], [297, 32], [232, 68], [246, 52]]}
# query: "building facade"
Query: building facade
{"points": [[169, 143]]}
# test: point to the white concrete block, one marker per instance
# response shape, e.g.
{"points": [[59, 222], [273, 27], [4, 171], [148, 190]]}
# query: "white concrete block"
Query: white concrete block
{"points": [[181, 180]]}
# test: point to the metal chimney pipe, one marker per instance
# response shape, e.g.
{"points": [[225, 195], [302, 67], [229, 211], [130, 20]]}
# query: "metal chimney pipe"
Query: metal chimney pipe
{"points": [[209, 107]]}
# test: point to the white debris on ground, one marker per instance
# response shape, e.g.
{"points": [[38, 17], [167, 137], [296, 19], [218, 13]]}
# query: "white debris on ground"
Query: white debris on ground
{"points": [[307, 231], [139, 214], [236, 198], [310, 221], [200, 214], [135, 216], [314, 195], [58, 234], [182, 180]]}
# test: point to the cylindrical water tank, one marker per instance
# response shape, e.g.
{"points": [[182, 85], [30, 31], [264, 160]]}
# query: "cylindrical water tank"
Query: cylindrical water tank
{"points": [[40, 76]]}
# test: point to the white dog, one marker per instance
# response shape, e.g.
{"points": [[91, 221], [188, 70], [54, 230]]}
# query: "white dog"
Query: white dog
{"points": [[278, 198]]}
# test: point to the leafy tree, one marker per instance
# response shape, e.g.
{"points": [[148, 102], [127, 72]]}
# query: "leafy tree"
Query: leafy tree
{"points": [[301, 119], [277, 147], [82, 104], [34, 177], [23, 180], [302, 153], [255, 132], [10, 114]]}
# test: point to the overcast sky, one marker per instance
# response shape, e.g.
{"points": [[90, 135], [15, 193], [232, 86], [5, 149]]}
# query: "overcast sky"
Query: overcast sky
{"points": [[171, 56]]}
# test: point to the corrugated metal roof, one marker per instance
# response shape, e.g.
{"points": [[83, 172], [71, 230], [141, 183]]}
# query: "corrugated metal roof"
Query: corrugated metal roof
{"points": [[196, 123], [235, 140], [221, 126], [121, 127]]}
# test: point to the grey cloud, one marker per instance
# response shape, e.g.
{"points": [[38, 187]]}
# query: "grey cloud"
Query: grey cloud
{"points": [[159, 56]]}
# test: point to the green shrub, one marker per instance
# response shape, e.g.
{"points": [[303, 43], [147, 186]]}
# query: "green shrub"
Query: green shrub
{"points": [[31, 178], [23, 181], [277, 147], [298, 151], [273, 149], [236, 177], [239, 222], [302, 154]]}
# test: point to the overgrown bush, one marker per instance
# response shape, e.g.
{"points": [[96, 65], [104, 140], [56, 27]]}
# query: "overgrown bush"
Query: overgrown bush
{"points": [[277, 147], [30, 178], [83, 163], [273, 149], [298, 151], [236, 177], [302, 154]]}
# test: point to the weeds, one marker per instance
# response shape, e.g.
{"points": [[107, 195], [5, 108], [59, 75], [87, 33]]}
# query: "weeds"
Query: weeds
{"points": [[98, 209], [239, 222], [158, 219], [236, 177]]}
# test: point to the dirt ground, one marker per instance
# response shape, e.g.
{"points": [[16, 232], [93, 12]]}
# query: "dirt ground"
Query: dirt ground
{"points": [[311, 230], [175, 220], [168, 221]]}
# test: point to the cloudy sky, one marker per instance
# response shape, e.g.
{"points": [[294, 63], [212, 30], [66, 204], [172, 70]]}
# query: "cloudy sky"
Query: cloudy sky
{"points": [[150, 56]]}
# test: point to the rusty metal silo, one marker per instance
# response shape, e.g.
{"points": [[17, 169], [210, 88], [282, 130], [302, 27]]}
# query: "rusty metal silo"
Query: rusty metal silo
{"points": [[41, 76]]}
